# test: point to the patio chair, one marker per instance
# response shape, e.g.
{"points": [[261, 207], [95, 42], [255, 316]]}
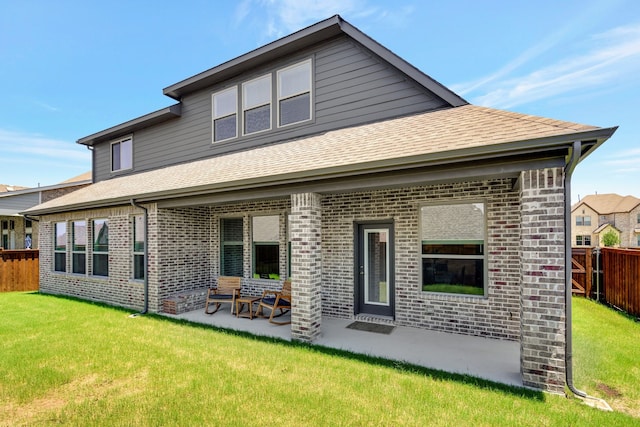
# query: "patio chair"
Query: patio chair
{"points": [[276, 300], [226, 292]]}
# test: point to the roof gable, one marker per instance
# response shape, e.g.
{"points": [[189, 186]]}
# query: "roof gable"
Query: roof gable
{"points": [[297, 41], [605, 204]]}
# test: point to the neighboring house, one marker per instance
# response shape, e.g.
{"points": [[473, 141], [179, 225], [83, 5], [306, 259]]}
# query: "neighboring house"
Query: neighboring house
{"points": [[18, 232], [596, 214], [326, 158]]}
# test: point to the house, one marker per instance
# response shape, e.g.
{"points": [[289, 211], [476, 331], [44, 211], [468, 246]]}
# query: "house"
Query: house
{"points": [[20, 232], [594, 215], [326, 158]]}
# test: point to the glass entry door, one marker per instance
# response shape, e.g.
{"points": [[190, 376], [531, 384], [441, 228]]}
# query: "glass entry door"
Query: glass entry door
{"points": [[374, 269]]}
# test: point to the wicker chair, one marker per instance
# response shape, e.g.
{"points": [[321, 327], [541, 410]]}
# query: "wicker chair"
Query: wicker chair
{"points": [[226, 292], [276, 300]]}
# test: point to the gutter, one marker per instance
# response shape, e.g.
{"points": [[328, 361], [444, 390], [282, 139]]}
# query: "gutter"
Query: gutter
{"points": [[573, 162], [146, 256]]}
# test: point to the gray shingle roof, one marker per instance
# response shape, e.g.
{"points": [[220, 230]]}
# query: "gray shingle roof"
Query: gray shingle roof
{"points": [[437, 135]]}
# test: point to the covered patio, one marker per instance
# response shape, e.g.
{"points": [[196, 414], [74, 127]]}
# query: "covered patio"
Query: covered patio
{"points": [[490, 359]]}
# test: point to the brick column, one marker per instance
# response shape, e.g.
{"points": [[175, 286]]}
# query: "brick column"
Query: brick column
{"points": [[542, 290], [306, 267]]}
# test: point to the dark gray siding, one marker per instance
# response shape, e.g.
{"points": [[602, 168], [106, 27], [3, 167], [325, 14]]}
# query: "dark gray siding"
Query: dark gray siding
{"points": [[351, 86]]}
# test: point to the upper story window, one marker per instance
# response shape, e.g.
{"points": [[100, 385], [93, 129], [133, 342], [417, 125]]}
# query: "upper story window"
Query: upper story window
{"points": [[639, 218], [294, 94], [583, 220], [225, 112], [122, 154], [256, 105]]}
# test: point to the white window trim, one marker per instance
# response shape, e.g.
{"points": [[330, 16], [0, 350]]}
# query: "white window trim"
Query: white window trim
{"points": [[270, 104], [120, 141], [278, 99], [214, 117]]}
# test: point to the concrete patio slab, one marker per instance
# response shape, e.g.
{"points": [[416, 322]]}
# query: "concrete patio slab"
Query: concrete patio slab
{"points": [[490, 359]]}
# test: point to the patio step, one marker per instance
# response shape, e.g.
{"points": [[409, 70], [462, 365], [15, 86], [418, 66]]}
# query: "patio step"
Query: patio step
{"points": [[369, 318]]}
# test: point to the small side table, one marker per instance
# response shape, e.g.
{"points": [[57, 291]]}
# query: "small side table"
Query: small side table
{"points": [[249, 301]]}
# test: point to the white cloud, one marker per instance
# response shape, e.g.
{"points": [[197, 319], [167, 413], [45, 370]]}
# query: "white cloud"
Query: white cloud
{"points": [[615, 58], [14, 144]]}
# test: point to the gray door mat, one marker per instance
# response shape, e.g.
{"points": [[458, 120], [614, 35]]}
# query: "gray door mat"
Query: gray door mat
{"points": [[371, 327]]}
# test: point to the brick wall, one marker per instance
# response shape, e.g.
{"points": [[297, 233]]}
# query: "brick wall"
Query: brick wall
{"points": [[307, 266], [542, 343], [497, 315], [118, 288]]}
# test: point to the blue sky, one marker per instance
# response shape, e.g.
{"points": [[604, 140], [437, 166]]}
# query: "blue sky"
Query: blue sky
{"points": [[72, 68]]}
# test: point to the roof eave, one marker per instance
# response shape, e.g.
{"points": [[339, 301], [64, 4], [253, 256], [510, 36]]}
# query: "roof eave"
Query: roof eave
{"points": [[533, 147], [142, 122], [310, 35]]}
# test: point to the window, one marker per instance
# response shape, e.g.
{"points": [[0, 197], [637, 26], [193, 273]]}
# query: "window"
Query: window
{"points": [[139, 243], [583, 220], [8, 234], [231, 254], [60, 247], [638, 219], [225, 107], [583, 240], [79, 247], [294, 94], [100, 247], [638, 239], [122, 154], [256, 105], [28, 234], [266, 246], [453, 255]]}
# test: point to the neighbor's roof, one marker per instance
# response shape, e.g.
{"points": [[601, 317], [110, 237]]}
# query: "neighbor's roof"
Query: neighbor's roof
{"points": [[4, 188], [605, 204], [604, 227], [438, 137]]}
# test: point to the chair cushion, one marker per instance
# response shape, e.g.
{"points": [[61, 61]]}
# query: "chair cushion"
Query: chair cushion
{"points": [[221, 296], [272, 301]]}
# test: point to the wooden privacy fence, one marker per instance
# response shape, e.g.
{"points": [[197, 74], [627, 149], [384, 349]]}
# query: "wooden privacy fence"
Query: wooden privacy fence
{"points": [[621, 277], [582, 271], [19, 270], [608, 274]]}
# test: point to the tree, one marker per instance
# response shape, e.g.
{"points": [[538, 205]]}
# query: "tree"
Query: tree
{"points": [[610, 238]]}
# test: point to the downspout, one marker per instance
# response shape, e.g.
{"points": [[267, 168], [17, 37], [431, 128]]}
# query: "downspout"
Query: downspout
{"points": [[568, 172], [146, 256], [573, 162]]}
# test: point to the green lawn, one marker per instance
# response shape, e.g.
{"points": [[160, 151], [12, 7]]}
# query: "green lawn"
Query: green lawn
{"points": [[74, 363]]}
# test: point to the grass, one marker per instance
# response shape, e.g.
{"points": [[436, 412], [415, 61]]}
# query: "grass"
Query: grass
{"points": [[69, 362], [607, 355], [454, 289]]}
